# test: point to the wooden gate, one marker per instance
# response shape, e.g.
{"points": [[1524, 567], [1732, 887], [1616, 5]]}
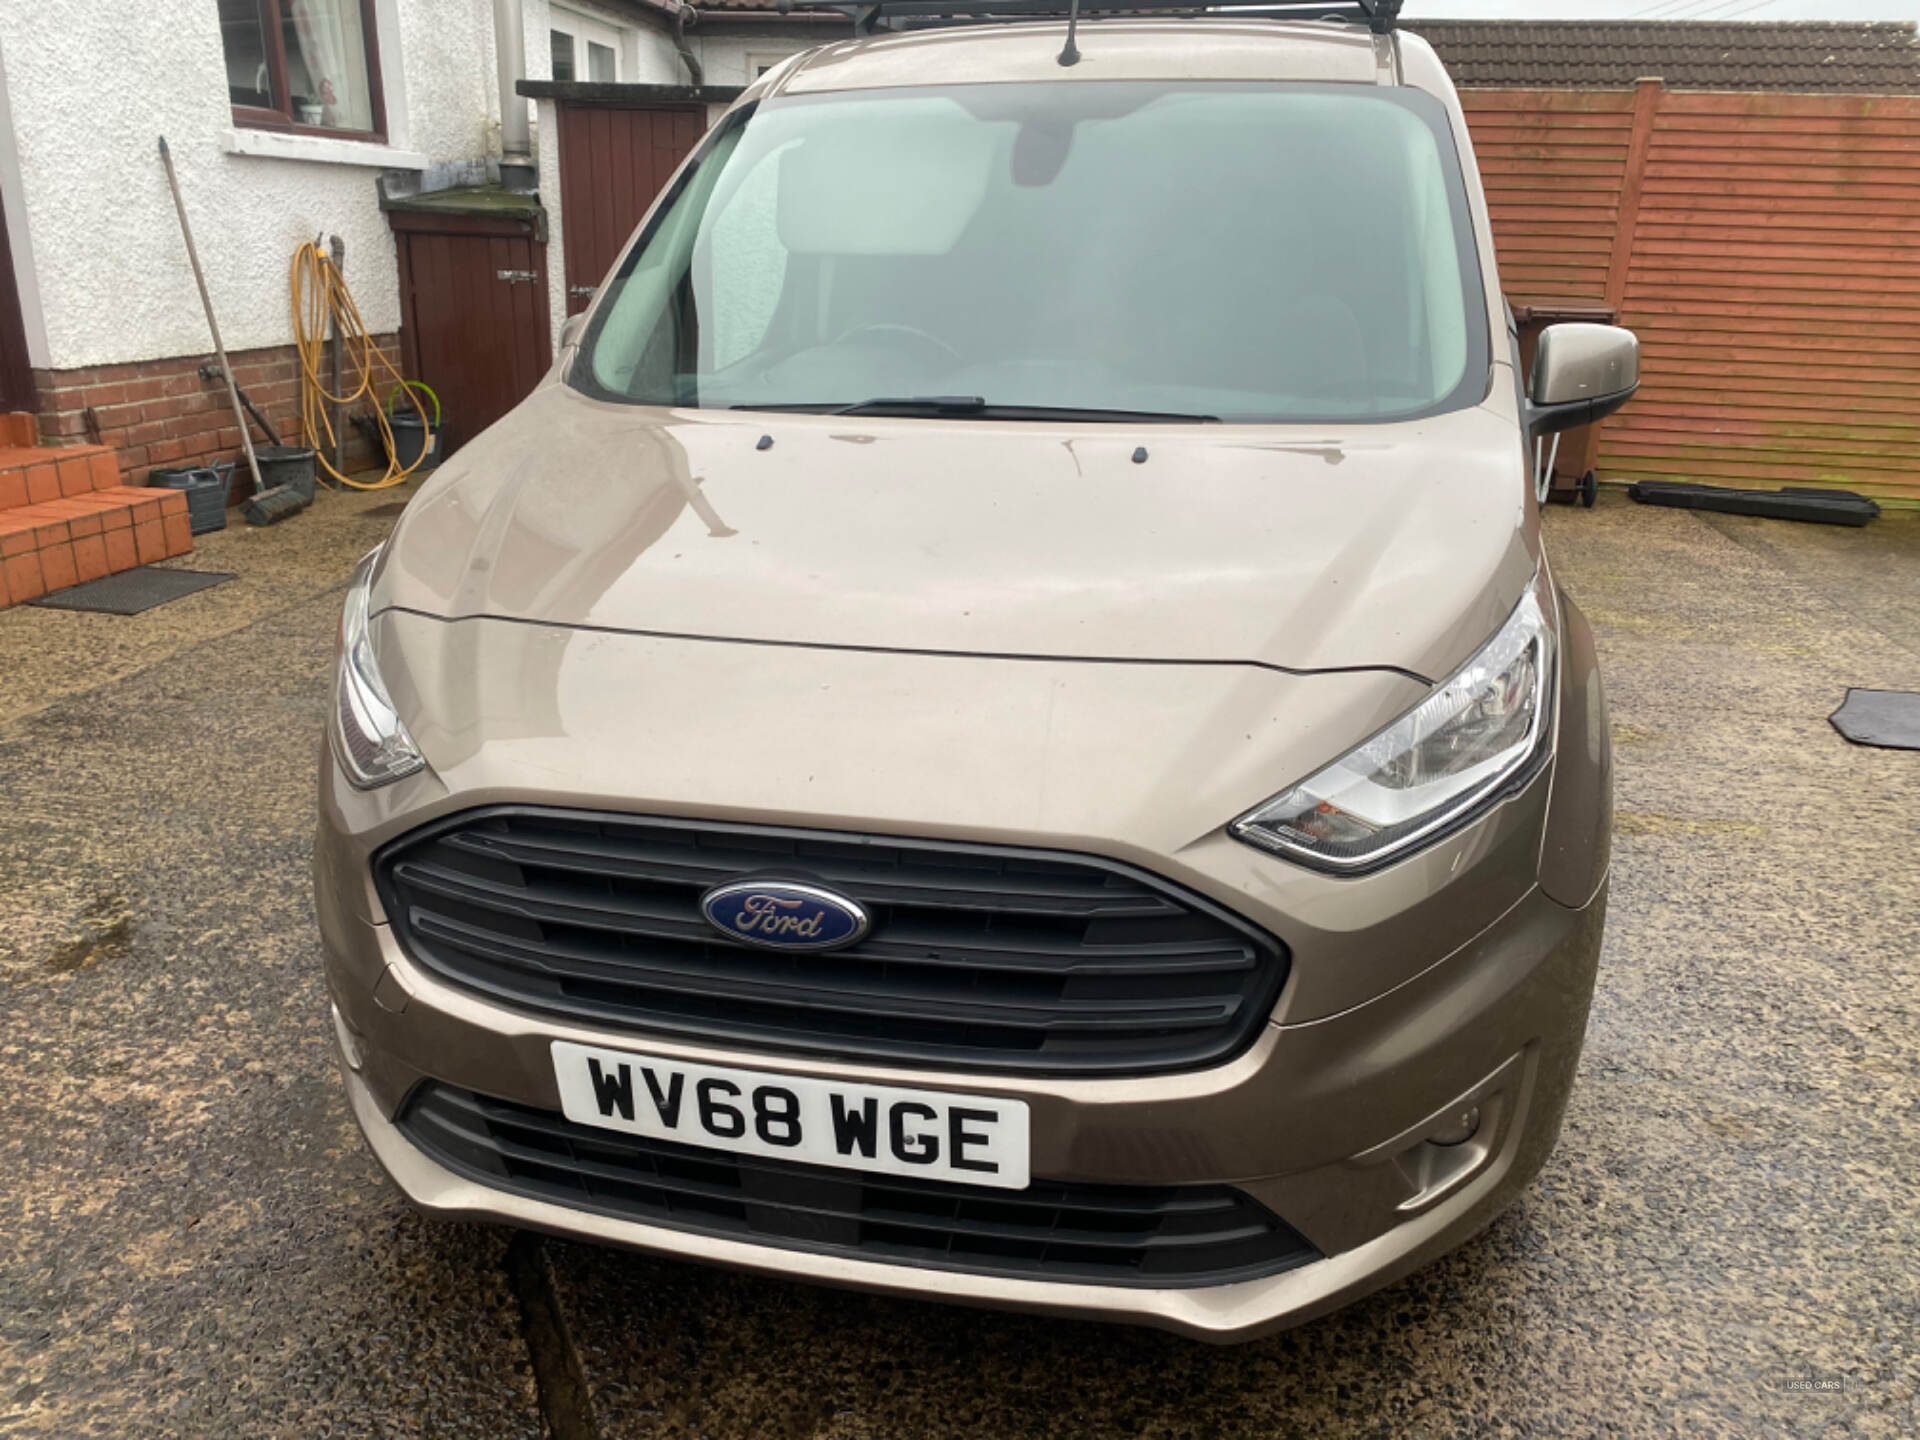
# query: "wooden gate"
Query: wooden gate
{"points": [[614, 159], [474, 319]]}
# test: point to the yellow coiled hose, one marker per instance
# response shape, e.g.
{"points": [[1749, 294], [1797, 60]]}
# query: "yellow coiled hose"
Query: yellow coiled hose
{"points": [[320, 295]]}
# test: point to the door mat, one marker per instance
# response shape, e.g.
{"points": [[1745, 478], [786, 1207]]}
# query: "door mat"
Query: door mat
{"points": [[1889, 719], [132, 591]]}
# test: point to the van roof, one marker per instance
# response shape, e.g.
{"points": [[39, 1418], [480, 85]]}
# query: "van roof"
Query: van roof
{"points": [[1215, 48]]}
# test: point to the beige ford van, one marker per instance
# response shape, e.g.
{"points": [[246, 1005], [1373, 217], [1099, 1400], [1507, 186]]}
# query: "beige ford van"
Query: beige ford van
{"points": [[999, 728]]}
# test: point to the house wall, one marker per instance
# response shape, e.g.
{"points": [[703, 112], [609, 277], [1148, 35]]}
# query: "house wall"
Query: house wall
{"points": [[109, 275], [163, 412], [116, 329], [1764, 247], [727, 52]]}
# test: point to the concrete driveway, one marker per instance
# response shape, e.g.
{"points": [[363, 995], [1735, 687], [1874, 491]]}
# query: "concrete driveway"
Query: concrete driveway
{"points": [[196, 1242]]}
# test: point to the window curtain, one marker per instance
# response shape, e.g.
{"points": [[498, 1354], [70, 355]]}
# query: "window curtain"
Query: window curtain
{"points": [[333, 47]]}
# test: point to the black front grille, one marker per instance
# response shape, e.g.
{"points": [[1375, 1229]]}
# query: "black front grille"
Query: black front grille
{"points": [[980, 957], [1103, 1234]]}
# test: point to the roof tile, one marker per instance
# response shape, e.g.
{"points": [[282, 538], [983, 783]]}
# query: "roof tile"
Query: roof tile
{"points": [[1871, 57]]}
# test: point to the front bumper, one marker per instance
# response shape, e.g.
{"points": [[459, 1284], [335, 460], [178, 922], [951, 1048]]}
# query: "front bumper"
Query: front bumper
{"points": [[1324, 1123], [1457, 979]]}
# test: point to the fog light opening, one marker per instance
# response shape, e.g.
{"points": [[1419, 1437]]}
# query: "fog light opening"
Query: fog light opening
{"points": [[1457, 1128], [1455, 1146]]}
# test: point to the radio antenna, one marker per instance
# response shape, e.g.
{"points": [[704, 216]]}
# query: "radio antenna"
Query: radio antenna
{"points": [[1071, 55]]}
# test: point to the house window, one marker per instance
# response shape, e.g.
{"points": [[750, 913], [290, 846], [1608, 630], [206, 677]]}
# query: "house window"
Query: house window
{"points": [[303, 65], [584, 48]]}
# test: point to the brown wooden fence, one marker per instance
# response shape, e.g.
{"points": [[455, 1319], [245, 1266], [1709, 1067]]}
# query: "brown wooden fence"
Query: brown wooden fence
{"points": [[1766, 249]]}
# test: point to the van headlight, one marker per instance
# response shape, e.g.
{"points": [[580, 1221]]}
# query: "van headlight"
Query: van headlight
{"points": [[368, 735], [1479, 736]]}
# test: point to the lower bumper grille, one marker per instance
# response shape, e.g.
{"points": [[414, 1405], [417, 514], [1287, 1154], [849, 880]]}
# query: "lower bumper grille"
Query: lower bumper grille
{"points": [[1171, 1236]]}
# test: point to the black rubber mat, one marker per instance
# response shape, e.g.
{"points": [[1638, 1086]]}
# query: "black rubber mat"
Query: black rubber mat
{"points": [[1825, 507], [132, 591], [1889, 719]]}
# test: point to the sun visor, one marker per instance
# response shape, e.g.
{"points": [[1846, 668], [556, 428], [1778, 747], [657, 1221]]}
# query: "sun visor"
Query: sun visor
{"points": [[907, 187]]}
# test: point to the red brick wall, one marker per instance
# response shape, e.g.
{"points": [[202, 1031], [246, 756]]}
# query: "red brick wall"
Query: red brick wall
{"points": [[160, 412]]}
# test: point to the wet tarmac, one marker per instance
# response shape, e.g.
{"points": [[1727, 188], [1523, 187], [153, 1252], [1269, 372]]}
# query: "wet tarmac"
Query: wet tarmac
{"points": [[196, 1243]]}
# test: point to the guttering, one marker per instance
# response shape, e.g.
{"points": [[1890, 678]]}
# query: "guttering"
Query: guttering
{"points": [[775, 20]]}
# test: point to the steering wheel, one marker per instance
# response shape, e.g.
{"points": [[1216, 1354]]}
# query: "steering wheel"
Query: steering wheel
{"points": [[921, 337]]}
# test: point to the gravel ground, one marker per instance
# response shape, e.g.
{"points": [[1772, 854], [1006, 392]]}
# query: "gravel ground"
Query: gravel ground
{"points": [[198, 1244]]}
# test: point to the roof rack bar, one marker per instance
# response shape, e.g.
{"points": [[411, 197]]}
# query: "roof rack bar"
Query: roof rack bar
{"points": [[1380, 16]]}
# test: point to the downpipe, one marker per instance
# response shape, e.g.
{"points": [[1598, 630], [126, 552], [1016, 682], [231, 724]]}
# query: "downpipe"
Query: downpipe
{"points": [[696, 72], [517, 171]]}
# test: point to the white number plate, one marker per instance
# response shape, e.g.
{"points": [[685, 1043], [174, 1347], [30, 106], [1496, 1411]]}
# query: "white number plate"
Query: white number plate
{"points": [[969, 1139]]}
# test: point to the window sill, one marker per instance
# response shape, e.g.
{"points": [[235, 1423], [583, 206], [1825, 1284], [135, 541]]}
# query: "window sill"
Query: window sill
{"points": [[323, 148]]}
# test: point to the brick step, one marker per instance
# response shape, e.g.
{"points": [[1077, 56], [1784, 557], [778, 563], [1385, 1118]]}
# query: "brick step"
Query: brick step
{"points": [[76, 538], [19, 430], [33, 475]]}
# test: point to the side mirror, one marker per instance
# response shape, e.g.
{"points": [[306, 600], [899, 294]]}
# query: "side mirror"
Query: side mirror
{"points": [[1581, 373], [570, 330]]}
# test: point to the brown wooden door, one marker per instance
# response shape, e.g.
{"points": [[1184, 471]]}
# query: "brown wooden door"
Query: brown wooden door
{"points": [[474, 319], [16, 374], [613, 162]]}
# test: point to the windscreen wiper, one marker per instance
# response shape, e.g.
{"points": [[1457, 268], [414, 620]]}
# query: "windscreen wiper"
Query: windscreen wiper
{"points": [[887, 405], [976, 407]]}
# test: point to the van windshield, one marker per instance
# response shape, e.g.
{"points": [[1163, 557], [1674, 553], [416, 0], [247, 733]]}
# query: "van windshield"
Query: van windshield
{"points": [[1265, 253]]}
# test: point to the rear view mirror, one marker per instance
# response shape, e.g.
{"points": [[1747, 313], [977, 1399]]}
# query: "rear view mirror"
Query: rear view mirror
{"points": [[1581, 373], [570, 330]]}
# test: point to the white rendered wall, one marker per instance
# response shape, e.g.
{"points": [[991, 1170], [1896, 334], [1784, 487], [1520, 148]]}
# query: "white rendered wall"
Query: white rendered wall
{"points": [[725, 51], [546, 146], [92, 86]]}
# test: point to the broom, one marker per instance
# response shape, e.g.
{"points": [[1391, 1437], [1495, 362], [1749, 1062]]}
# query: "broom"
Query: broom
{"points": [[267, 507]]}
